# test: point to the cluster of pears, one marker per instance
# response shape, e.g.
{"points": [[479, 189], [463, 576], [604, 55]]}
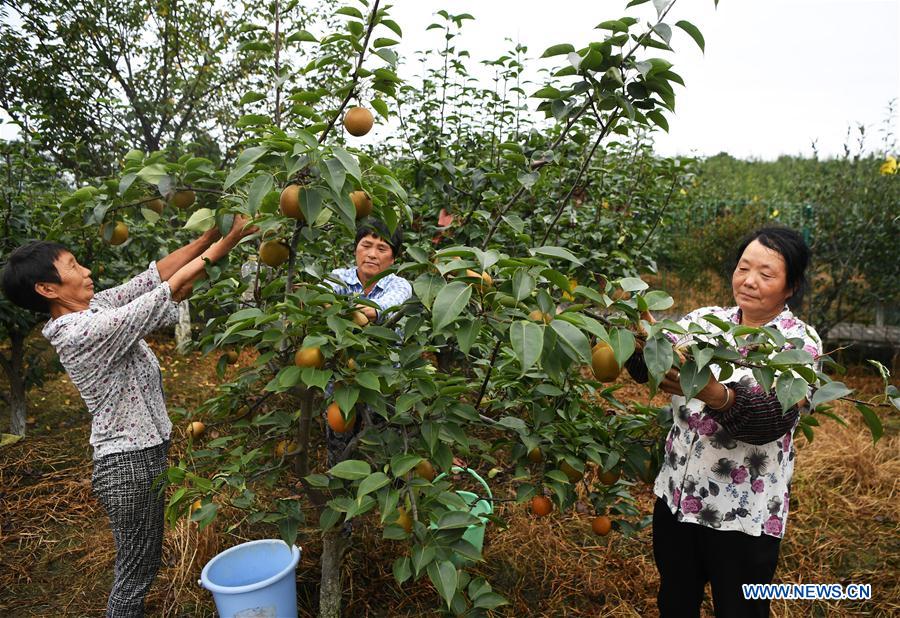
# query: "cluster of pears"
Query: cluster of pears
{"points": [[181, 199]]}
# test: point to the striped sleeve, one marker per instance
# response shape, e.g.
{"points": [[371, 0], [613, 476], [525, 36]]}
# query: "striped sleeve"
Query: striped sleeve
{"points": [[756, 416]]}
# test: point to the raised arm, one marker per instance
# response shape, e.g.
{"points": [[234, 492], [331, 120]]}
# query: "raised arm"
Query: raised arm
{"points": [[173, 262], [182, 280]]}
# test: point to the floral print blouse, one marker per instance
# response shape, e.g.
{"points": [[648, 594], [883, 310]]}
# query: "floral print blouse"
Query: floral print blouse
{"points": [[710, 475], [103, 351]]}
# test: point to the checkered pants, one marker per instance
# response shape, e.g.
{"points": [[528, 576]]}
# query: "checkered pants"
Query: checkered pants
{"points": [[123, 484]]}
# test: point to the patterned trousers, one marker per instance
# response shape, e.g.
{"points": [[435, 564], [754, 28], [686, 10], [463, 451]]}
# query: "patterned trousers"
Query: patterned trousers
{"points": [[123, 484]]}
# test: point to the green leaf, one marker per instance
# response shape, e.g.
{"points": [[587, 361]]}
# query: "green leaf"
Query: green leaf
{"points": [[371, 483], [792, 357], [658, 119], [402, 570], [421, 557], [335, 174], [401, 464], [466, 550], [547, 92], [574, 342], [454, 520], [622, 342], [658, 356], [351, 470], [664, 31], [557, 252], [289, 376], [558, 50], [261, 185], [467, 334], [527, 180], [368, 380], [632, 284], [660, 6], [380, 107], [443, 575], [765, 377], [489, 600], [236, 173], [384, 42], [201, 220], [612, 24], [394, 26], [346, 398], [449, 303], [302, 36], [522, 284], [349, 11], [527, 339], [658, 300], [692, 379], [252, 120], [348, 161], [251, 97], [829, 392], [790, 388], [694, 32], [872, 420], [287, 528], [152, 174]]}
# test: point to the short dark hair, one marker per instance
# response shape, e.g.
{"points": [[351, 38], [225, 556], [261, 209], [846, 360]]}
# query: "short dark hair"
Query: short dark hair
{"points": [[376, 227], [28, 265], [791, 246]]}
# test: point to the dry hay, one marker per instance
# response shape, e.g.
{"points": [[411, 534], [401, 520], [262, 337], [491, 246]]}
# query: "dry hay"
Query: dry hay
{"points": [[844, 526]]}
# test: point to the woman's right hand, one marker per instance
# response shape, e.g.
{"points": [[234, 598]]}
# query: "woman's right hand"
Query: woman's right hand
{"points": [[641, 339]]}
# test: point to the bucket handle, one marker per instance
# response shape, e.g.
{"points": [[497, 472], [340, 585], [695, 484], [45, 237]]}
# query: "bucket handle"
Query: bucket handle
{"points": [[473, 474]]}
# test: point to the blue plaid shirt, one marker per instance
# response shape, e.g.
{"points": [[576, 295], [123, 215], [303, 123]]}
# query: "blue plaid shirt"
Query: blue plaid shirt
{"points": [[388, 291]]}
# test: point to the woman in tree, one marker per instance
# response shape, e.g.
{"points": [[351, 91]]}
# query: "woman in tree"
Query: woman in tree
{"points": [[723, 489], [375, 250], [99, 340]]}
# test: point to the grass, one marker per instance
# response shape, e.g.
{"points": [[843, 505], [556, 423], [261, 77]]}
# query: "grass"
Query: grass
{"points": [[56, 551]]}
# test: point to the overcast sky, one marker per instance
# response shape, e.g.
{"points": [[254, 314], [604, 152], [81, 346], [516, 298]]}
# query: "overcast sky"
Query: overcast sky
{"points": [[776, 74]]}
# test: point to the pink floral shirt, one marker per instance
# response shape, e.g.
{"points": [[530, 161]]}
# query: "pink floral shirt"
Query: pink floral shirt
{"points": [[103, 351], [712, 479]]}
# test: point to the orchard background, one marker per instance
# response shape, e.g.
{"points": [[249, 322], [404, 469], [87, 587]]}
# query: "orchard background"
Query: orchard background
{"points": [[538, 225]]}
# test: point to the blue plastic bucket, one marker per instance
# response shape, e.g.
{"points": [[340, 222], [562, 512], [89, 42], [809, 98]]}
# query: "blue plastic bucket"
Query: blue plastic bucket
{"points": [[254, 580], [479, 507]]}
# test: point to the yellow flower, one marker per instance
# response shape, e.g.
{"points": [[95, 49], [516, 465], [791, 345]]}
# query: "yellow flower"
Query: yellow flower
{"points": [[605, 204], [682, 191], [889, 166], [774, 213]]}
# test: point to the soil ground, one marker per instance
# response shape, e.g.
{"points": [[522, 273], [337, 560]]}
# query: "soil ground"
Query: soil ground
{"points": [[56, 552]]}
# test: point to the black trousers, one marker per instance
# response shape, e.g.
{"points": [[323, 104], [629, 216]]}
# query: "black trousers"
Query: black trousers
{"points": [[123, 482], [688, 555]]}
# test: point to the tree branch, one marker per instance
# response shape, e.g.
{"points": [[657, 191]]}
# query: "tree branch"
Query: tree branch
{"points": [[355, 79]]}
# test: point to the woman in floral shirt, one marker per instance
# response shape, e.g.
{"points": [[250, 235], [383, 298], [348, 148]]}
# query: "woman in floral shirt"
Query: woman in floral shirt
{"points": [[723, 490], [99, 340]]}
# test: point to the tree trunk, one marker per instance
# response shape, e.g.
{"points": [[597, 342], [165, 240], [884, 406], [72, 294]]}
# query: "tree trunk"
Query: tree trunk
{"points": [[334, 545], [14, 367], [183, 328], [301, 461]]}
